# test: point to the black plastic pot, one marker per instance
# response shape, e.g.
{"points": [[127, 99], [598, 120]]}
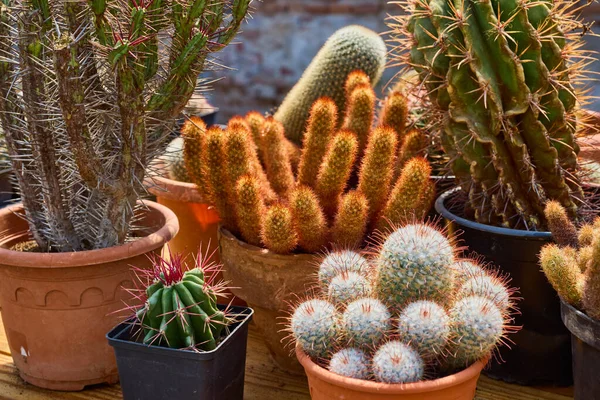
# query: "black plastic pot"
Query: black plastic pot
{"points": [[541, 354], [585, 344], [159, 373]]}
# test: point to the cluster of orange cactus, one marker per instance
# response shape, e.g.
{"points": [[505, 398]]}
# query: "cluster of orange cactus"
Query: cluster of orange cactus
{"points": [[350, 177]]}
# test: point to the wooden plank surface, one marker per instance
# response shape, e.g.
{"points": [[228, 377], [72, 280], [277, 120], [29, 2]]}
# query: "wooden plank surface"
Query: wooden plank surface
{"points": [[264, 381]]}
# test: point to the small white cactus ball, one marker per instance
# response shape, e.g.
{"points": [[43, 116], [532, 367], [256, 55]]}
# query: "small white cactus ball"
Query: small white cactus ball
{"points": [[489, 287], [339, 261], [350, 362], [365, 321], [425, 325], [397, 362], [348, 286], [466, 269], [419, 241], [315, 326], [477, 327]]}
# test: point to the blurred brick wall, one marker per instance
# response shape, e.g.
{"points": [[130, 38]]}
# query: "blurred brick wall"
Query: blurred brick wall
{"points": [[278, 43]]}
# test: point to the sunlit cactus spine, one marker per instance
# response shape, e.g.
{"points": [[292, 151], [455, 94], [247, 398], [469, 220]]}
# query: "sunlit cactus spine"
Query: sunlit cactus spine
{"points": [[88, 100], [351, 219], [309, 219], [181, 307], [335, 169], [377, 168], [277, 230], [483, 67], [315, 327], [349, 49], [320, 130]]}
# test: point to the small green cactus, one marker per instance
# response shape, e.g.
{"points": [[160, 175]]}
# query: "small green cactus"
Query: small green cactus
{"points": [[348, 286], [315, 326], [181, 309], [413, 263], [425, 325], [341, 261], [351, 363], [466, 269], [349, 49], [175, 161], [366, 322], [397, 362], [489, 286]]}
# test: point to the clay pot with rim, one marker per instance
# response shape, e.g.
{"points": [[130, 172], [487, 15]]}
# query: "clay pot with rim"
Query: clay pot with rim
{"points": [[325, 385], [57, 307], [269, 283]]}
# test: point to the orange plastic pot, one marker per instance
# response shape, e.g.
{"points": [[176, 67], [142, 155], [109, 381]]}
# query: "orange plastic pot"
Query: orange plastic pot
{"points": [[325, 385], [269, 283], [57, 307]]}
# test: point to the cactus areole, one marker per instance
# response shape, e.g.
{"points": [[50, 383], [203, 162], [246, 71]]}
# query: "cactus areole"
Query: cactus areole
{"points": [[502, 79], [86, 99]]}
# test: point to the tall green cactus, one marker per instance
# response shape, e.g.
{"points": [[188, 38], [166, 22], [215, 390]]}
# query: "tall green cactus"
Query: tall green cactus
{"points": [[347, 50], [501, 77], [87, 99]]}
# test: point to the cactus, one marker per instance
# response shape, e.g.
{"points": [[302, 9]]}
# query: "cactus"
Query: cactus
{"points": [[351, 219], [355, 79], [426, 326], [394, 114], [277, 160], [377, 168], [397, 362], [319, 132], [341, 261], [360, 113], [315, 325], [181, 309], [476, 329], [308, 219], [563, 231], [585, 237], [277, 231], [414, 145], [591, 283], [349, 49], [365, 322], [561, 269], [237, 149], [88, 100], [335, 170], [351, 363], [249, 208], [484, 66], [348, 286], [416, 309], [193, 133], [413, 263], [411, 196], [175, 162]]}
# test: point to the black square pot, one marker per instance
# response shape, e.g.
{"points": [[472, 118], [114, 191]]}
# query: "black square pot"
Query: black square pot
{"points": [[159, 373]]}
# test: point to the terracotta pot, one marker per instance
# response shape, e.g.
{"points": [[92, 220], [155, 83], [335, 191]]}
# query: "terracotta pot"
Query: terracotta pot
{"points": [[325, 385], [268, 282], [57, 307]]}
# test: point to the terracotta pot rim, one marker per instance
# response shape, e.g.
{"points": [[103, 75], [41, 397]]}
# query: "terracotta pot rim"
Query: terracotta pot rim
{"points": [[264, 252], [156, 239], [170, 189], [360, 385]]}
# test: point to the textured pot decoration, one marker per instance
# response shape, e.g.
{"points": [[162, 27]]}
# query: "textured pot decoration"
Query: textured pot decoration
{"points": [[57, 307], [411, 320], [269, 283]]}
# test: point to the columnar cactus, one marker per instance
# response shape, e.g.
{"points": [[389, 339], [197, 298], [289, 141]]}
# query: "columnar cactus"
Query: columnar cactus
{"points": [[87, 99], [360, 113], [277, 158], [193, 133], [412, 312], [349, 49], [181, 307], [394, 114], [351, 220], [309, 219], [573, 269], [277, 230], [503, 81], [249, 208]]}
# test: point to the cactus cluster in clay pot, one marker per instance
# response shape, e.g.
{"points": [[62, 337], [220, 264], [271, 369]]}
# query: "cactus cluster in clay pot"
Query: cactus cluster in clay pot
{"points": [[505, 86], [355, 172], [409, 311]]}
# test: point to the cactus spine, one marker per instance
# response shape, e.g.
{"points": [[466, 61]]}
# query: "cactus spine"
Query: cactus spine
{"points": [[349, 49]]}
